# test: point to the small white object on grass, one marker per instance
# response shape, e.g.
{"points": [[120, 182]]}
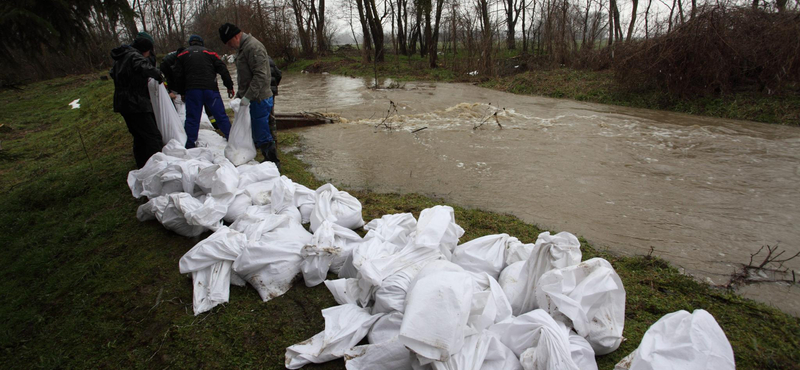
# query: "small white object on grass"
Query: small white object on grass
{"points": [[74, 104]]}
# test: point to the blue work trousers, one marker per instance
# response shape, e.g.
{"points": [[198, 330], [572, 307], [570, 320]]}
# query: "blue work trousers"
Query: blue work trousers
{"points": [[259, 121], [196, 99]]}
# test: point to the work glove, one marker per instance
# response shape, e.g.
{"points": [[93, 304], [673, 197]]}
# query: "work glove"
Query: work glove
{"points": [[230, 93], [245, 102]]}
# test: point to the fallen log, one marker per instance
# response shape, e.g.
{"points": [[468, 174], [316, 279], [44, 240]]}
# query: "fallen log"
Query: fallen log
{"points": [[302, 119]]}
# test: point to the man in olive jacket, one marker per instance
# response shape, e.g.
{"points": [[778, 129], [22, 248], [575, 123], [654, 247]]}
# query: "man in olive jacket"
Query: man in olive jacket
{"points": [[252, 66], [132, 68]]}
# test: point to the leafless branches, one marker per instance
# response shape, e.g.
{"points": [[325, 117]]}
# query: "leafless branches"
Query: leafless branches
{"points": [[389, 113], [770, 269]]}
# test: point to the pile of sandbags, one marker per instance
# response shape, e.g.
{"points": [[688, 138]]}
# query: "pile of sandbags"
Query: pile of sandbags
{"points": [[421, 299]]}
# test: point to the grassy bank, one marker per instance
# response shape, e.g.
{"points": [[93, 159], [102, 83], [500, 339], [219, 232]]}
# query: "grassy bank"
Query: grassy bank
{"points": [[566, 83], [83, 284]]}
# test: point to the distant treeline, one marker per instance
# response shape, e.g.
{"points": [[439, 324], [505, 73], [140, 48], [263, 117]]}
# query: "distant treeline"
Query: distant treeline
{"points": [[685, 46]]}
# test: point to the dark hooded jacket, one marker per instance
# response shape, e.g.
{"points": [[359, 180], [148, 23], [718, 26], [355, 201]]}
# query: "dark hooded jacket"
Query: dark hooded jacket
{"points": [[167, 68], [274, 77], [130, 73], [197, 68]]}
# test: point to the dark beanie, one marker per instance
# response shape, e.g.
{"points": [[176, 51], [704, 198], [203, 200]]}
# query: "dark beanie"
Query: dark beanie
{"points": [[142, 44], [195, 40], [227, 31], [146, 36]]}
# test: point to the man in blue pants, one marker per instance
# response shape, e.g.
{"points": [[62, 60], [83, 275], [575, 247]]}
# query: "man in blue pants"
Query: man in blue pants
{"points": [[252, 66], [196, 70]]}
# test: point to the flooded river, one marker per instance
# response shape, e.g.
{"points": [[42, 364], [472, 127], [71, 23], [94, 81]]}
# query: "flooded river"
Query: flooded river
{"points": [[703, 193]]}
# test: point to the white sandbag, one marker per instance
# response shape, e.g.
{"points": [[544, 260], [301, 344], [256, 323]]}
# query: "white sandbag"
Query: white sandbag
{"points": [[262, 172], [218, 179], [482, 351], [328, 250], [282, 198], [272, 262], [211, 213], [591, 296], [304, 200], [509, 280], [517, 251], [211, 286], [146, 181], [437, 229], [225, 244], [254, 225], [396, 228], [386, 328], [345, 326], [237, 207], [581, 352], [682, 341], [368, 249], [260, 192], [374, 270], [169, 124], [391, 294], [541, 342], [170, 210], [389, 355], [240, 149], [484, 254], [212, 141], [489, 305], [180, 107], [550, 252], [437, 309], [336, 206], [344, 291]]}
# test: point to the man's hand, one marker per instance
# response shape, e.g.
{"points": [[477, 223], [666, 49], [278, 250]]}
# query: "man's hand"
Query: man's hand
{"points": [[230, 93], [245, 102]]}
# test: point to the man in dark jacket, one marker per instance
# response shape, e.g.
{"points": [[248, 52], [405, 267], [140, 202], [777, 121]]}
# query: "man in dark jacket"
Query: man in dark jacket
{"points": [[274, 81], [167, 69], [197, 70], [130, 73], [252, 68]]}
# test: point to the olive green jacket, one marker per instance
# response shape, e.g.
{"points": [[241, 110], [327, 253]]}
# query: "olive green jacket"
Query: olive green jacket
{"points": [[252, 66]]}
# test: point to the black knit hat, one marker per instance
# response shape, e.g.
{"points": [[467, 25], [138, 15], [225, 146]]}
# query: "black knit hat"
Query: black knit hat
{"points": [[142, 44], [228, 31], [195, 40]]}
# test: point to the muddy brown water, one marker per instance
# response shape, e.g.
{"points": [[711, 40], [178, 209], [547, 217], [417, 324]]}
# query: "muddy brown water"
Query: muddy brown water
{"points": [[703, 193]]}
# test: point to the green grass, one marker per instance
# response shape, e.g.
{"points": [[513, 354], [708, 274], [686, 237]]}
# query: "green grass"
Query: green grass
{"points": [[83, 284]]}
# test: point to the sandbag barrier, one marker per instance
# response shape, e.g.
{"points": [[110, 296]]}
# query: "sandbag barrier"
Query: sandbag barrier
{"points": [[422, 300]]}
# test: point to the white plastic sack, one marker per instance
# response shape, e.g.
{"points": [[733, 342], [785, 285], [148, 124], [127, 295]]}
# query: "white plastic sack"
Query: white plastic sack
{"points": [[437, 229], [373, 271], [591, 296], [170, 210], [345, 326], [396, 228], [304, 200], [270, 263], [328, 250], [550, 252], [262, 172], [437, 309], [386, 328], [540, 341], [682, 341], [237, 207], [240, 149], [482, 351], [484, 254], [344, 291], [489, 306], [389, 355], [581, 352], [336, 206], [391, 295], [169, 124], [362, 252], [517, 251]]}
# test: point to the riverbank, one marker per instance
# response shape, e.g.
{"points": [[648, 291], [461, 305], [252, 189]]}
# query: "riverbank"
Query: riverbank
{"points": [[85, 284], [521, 77]]}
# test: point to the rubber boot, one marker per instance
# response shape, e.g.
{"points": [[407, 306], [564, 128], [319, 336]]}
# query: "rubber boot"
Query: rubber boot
{"points": [[270, 152]]}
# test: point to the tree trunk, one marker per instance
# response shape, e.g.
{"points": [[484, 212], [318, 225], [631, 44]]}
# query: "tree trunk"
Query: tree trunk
{"points": [[434, 45], [305, 39], [633, 20], [322, 45]]}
